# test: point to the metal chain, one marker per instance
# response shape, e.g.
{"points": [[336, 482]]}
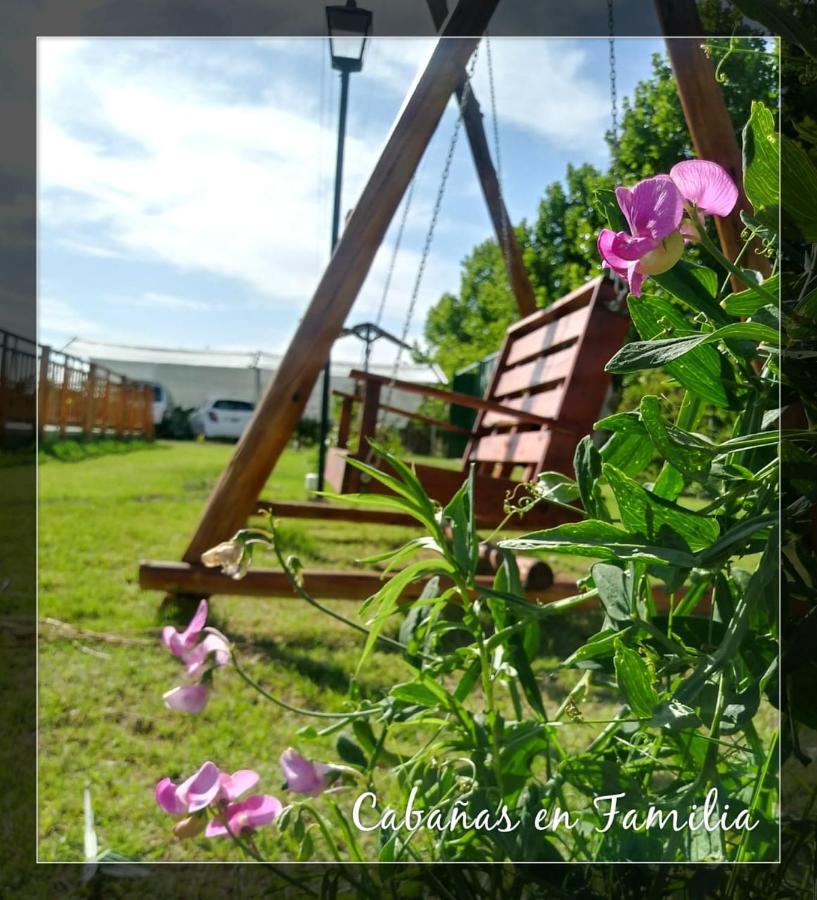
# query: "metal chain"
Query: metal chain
{"points": [[505, 249], [611, 31], [621, 287], [395, 250], [430, 234]]}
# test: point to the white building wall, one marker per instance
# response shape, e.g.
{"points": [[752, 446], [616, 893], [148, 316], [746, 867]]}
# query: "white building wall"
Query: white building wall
{"points": [[193, 385]]}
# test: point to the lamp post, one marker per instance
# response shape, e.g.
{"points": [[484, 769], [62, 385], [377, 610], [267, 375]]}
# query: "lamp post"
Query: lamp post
{"points": [[349, 29]]}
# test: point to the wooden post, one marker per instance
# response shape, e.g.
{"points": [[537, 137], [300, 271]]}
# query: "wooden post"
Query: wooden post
{"points": [[43, 388], [63, 400], [122, 412], [344, 422], [711, 129], [368, 421], [106, 406], [90, 402], [489, 181], [276, 416], [148, 424]]}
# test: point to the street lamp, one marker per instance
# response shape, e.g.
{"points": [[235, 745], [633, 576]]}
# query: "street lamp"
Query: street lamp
{"points": [[349, 28]]}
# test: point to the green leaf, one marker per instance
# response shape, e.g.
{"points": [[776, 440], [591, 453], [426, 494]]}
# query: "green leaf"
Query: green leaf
{"points": [[736, 537], [587, 463], [779, 20], [613, 587], [350, 752], [599, 540], [556, 487], [643, 512], [635, 681], [696, 287], [605, 202], [387, 598], [761, 159], [652, 354], [674, 716], [421, 694], [629, 451], [703, 370], [596, 647], [686, 452], [800, 191], [459, 513], [748, 302]]}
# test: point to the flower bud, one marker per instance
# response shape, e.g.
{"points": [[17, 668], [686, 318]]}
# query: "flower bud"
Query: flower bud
{"points": [[228, 553], [189, 827], [664, 257]]}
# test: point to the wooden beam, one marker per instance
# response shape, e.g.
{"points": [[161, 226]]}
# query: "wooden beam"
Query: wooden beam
{"points": [[405, 413], [710, 127], [458, 399], [329, 512], [489, 181], [283, 403], [185, 578]]}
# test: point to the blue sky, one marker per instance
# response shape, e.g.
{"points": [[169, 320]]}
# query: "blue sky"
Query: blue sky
{"points": [[185, 186]]}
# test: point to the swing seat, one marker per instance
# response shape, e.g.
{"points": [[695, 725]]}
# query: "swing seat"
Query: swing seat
{"points": [[546, 392]]}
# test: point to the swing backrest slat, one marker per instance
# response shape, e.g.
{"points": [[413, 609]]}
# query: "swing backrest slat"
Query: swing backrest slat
{"points": [[552, 364]]}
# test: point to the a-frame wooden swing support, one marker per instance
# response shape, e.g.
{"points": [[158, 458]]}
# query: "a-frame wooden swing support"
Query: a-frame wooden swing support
{"points": [[236, 495]]}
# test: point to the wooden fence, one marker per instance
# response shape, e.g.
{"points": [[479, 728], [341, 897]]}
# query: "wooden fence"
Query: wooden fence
{"points": [[59, 394]]}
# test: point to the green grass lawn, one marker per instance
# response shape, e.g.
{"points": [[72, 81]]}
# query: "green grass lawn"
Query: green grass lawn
{"points": [[102, 722]]}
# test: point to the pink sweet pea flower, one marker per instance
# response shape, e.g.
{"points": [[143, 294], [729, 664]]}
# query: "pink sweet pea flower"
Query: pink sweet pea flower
{"points": [[214, 647], [303, 776], [167, 797], [247, 815], [189, 698], [199, 657], [653, 210], [233, 786], [181, 642], [200, 789], [216, 791], [706, 185]]}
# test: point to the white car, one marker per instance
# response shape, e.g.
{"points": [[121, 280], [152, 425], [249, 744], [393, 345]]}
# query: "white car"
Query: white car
{"points": [[222, 418]]}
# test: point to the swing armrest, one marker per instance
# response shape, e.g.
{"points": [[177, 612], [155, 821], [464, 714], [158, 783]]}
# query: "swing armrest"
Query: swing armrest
{"points": [[408, 414], [477, 403]]}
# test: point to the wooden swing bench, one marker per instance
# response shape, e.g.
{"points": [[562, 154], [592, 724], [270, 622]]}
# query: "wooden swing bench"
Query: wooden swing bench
{"points": [[547, 390]]}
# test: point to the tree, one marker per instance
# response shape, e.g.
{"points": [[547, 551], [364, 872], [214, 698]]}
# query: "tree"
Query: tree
{"points": [[559, 247]]}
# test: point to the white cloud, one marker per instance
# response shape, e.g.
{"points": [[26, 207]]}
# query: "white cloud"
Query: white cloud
{"points": [[63, 320], [170, 301], [542, 86], [221, 166], [230, 188]]}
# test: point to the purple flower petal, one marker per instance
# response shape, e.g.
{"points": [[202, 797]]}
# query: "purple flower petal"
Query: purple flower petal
{"points": [[233, 786], [303, 776], [634, 278], [167, 797], [201, 789], [609, 257], [187, 698], [179, 642], [707, 185], [245, 816], [655, 208], [628, 248]]}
